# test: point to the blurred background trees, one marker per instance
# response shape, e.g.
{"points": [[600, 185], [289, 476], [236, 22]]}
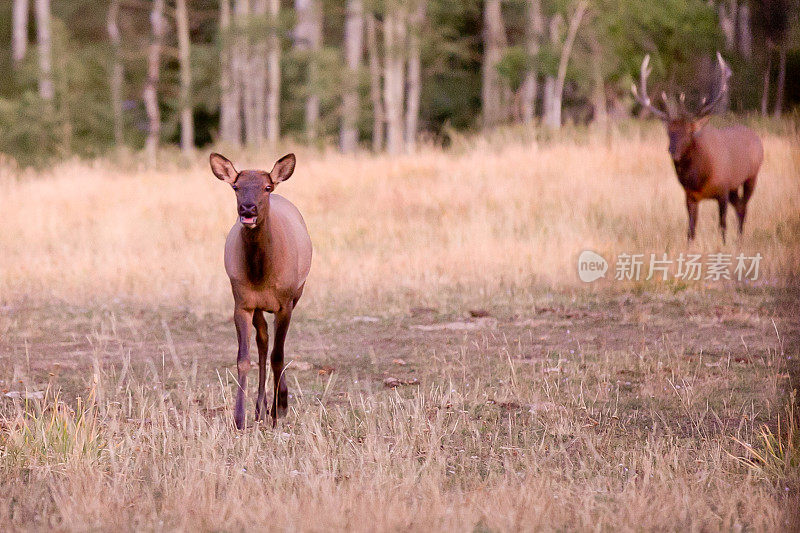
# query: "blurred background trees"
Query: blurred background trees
{"points": [[85, 77]]}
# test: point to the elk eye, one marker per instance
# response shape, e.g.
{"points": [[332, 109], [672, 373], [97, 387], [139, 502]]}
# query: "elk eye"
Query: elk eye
{"points": [[268, 188]]}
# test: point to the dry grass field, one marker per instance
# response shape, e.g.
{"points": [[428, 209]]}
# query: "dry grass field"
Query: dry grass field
{"points": [[449, 370]]}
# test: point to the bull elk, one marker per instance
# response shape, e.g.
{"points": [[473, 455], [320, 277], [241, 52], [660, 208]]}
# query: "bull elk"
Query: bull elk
{"points": [[711, 163], [267, 258]]}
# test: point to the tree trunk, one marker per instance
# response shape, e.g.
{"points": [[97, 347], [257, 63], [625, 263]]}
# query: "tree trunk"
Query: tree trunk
{"points": [[117, 73], [745, 33], [247, 67], [548, 98], [184, 56], [727, 22], [394, 34], [765, 90], [45, 44], [379, 115], [308, 38], [230, 126], [530, 85], [598, 85], [256, 81], [273, 74], [493, 89], [417, 21], [19, 31], [781, 81], [150, 93], [353, 47], [553, 121]]}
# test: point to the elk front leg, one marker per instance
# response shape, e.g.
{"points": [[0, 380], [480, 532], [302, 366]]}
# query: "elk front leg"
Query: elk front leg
{"points": [[722, 201], [262, 342], [242, 318], [280, 400], [691, 208]]}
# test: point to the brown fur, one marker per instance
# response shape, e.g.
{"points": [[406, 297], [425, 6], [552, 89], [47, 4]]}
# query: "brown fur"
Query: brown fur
{"points": [[711, 163], [267, 262], [715, 164]]}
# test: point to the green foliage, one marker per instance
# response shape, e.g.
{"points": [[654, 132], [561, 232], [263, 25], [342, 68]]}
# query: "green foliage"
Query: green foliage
{"points": [[514, 65], [28, 131], [680, 35]]}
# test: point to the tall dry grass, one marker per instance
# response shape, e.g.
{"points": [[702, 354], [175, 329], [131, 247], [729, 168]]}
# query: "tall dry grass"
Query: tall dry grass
{"points": [[497, 219], [138, 456], [529, 424]]}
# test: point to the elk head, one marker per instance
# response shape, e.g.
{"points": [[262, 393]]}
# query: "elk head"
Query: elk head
{"points": [[681, 123], [252, 187]]}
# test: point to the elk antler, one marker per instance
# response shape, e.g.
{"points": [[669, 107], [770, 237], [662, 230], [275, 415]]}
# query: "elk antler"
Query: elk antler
{"points": [[641, 93], [725, 74]]}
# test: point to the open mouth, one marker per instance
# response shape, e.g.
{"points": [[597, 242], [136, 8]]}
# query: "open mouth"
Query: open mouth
{"points": [[249, 222]]}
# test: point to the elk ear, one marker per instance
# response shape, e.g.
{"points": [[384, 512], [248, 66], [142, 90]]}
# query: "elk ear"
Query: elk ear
{"points": [[698, 124], [283, 169], [222, 168]]}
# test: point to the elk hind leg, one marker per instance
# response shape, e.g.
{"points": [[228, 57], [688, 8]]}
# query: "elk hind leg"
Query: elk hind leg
{"points": [[262, 341], [691, 208], [280, 400], [741, 208], [723, 211]]}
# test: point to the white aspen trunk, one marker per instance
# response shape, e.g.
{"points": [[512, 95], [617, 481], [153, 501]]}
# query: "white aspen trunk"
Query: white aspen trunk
{"points": [[727, 22], [394, 33], [533, 31], [150, 93], [273, 75], [353, 49], [781, 81], [745, 33], [19, 30], [45, 45], [308, 38], [246, 67], [238, 65], [554, 119], [548, 97], [493, 103], [598, 85], [257, 75], [230, 127], [184, 56], [417, 21], [375, 90], [117, 74]]}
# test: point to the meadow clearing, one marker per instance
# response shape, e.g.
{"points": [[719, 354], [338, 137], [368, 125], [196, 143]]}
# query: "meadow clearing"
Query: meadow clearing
{"points": [[448, 370]]}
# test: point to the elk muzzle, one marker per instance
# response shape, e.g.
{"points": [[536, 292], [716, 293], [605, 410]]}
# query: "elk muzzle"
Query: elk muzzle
{"points": [[248, 215]]}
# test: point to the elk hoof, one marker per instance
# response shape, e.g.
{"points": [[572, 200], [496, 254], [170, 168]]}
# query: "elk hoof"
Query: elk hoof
{"points": [[261, 412], [283, 402]]}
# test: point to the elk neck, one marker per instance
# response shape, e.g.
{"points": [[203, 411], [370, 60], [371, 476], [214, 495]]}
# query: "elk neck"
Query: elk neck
{"points": [[256, 243]]}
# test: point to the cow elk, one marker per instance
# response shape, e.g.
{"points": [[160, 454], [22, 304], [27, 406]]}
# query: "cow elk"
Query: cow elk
{"points": [[711, 163], [267, 258]]}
